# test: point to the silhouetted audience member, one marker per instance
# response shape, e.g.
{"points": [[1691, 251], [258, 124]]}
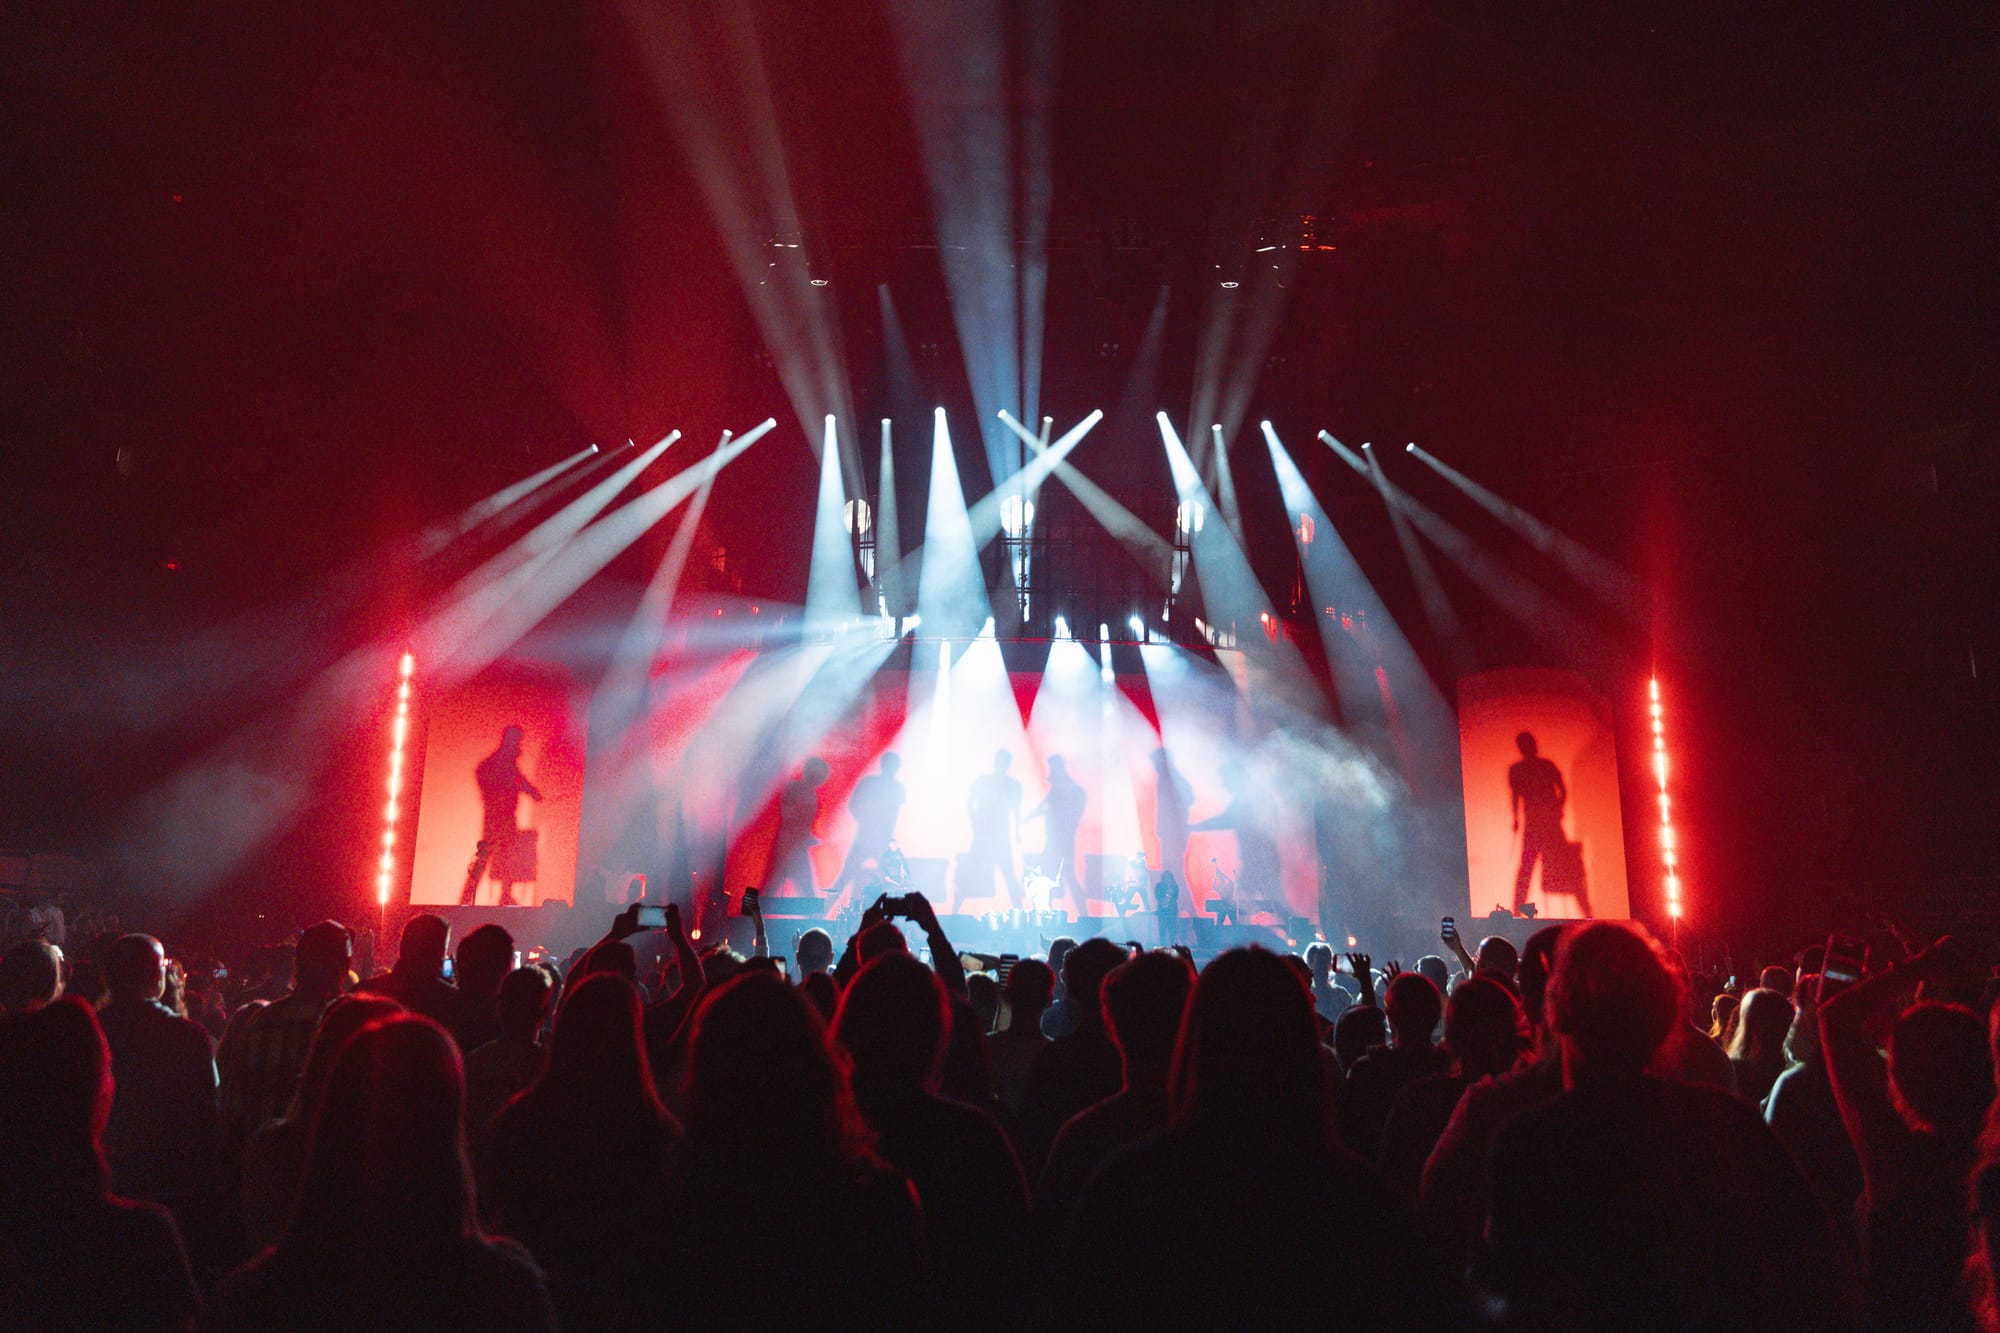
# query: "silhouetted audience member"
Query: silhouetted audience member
{"points": [[1485, 1036], [1776, 978], [1722, 1017], [1143, 1002], [1414, 1006], [261, 1064], [982, 995], [1689, 1055], [813, 953], [31, 975], [514, 1058], [417, 980], [776, 1152], [893, 1022], [1359, 1029], [163, 1140], [1632, 1202], [73, 1256], [274, 1158], [1757, 1052], [1030, 988], [1801, 1111], [1452, 1200], [1244, 1213], [482, 961], [1081, 1067], [819, 990], [575, 1166], [385, 1233], [1330, 999], [1915, 1129], [1059, 1019]]}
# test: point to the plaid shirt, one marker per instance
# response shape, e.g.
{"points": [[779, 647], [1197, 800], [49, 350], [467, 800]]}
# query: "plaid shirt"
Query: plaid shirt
{"points": [[264, 1065]]}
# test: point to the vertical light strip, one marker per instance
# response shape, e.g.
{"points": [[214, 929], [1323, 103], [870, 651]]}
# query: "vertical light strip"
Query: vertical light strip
{"points": [[394, 809], [1669, 857]]}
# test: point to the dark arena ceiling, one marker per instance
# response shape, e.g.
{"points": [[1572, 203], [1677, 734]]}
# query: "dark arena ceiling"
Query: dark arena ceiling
{"points": [[1711, 290]]}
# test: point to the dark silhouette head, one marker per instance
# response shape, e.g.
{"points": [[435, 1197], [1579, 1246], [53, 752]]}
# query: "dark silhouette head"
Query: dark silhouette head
{"points": [[1162, 761], [619, 959], [814, 951], [817, 770], [1319, 959], [1355, 1031], [135, 967], [1084, 971], [891, 761], [511, 741], [761, 1075], [1538, 960], [1777, 979], [386, 1176], [484, 958], [1611, 1000], [1002, 760], [982, 992], [1059, 948], [425, 940], [55, 1095], [1762, 1020], [1498, 957], [1057, 768], [1031, 988], [1144, 1000], [1484, 1028], [893, 1021], [1414, 1007], [30, 975], [1435, 969], [523, 1003], [1249, 1053], [341, 1020], [884, 937], [1940, 1075], [1526, 742], [819, 991], [320, 961], [597, 1052]]}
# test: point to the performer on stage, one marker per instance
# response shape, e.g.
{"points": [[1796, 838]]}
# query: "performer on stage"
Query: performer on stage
{"points": [[876, 803], [995, 807], [1062, 814], [798, 817], [508, 850]]}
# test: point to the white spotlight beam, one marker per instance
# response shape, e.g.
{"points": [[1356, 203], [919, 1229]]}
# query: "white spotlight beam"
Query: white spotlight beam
{"points": [[1444, 622], [889, 531], [549, 584], [831, 596], [1337, 583], [441, 535], [1148, 547], [951, 589], [1593, 571]]}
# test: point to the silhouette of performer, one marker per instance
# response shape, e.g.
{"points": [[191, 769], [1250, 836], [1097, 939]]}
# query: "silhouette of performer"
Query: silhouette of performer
{"points": [[995, 807], [1062, 814], [1256, 849], [1172, 798], [798, 816], [1537, 801], [876, 802], [501, 844]]}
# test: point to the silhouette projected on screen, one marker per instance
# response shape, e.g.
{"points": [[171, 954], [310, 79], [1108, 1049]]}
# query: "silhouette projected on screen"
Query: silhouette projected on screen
{"points": [[1256, 848], [798, 816], [875, 805], [505, 851], [1537, 800], [995, 807], [1062, 814]]}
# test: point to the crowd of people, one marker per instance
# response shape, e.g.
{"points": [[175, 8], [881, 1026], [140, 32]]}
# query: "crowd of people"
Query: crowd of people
{"points": [[1577, 1134]]}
